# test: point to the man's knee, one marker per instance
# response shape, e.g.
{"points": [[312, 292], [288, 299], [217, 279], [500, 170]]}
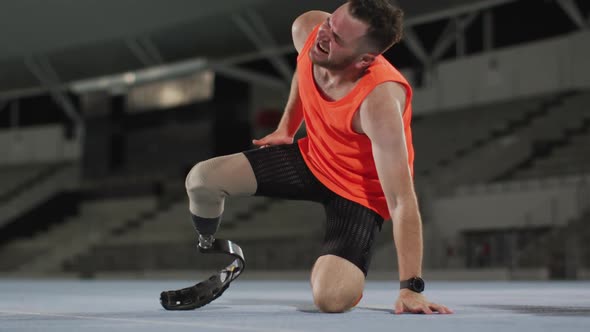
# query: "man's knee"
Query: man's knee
{"points": [[337, 284], [199, 177], [333, 300]]}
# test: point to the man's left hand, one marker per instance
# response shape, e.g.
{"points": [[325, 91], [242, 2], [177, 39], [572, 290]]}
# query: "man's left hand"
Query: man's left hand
{"points": [[412, 302]]}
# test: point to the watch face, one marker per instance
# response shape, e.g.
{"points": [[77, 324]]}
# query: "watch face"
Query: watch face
{"points": [[418, 285]]}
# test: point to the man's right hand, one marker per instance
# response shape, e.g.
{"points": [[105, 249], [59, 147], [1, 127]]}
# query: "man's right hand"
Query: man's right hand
{"points": [[274, 138]]}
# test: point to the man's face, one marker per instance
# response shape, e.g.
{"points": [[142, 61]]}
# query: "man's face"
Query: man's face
{"points": [[339, 40]]}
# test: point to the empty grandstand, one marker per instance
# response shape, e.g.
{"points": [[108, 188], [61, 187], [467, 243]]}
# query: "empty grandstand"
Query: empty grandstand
{"points": [[92, 179]]}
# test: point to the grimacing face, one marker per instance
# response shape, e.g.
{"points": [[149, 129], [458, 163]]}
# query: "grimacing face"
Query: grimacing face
{"points": [[339, 41]]}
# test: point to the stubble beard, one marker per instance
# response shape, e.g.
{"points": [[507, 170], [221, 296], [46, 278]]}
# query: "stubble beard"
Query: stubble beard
{"points": [[332, 65]]}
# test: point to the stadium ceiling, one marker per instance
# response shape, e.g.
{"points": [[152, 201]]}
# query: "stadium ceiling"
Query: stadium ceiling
{"points": [[63, 45]]}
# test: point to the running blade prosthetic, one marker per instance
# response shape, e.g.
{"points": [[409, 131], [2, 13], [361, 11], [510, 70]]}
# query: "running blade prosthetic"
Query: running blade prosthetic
{"points": [[206, 291]]}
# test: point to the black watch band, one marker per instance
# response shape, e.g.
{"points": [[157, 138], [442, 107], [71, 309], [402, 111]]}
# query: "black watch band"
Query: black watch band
{"points": [[415, 284]]}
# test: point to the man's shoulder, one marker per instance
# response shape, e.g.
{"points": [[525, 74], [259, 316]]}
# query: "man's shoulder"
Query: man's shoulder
{"points": [[304, 25], [381, 63], [385, 73], [388, 90]]}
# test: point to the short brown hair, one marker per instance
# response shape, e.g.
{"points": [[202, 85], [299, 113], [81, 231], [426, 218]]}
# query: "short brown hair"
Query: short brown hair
{"points": [[384, 19]]}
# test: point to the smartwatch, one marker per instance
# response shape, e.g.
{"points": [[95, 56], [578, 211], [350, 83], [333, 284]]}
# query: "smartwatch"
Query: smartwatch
{"points": [[415, 284]]}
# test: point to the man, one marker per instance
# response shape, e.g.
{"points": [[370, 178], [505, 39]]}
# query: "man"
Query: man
{"points": [[357, 158]]}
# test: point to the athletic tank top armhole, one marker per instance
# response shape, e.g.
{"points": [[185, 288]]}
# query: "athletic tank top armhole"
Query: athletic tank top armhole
{"points": [[309, 42]]}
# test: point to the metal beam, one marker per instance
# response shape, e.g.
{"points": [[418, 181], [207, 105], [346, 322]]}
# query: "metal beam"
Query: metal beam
{"points": [[461, 41], [141, 76], [450, 34], [283, 66], [145, 50], [415, 45], [570, 7], [14, 114], [447, 33], [48, 77], [268, 51], [260, 54], [488, 31], [258, 34], [177, 69], [250, 76], [100, 83], [139, 52], [464, 22], [25, 92], [151, 49], [258, 24], [455, 11]]}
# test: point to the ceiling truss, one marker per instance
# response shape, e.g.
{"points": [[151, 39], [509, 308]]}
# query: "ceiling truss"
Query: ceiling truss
{"points": [[255, 29], [41, 68]]}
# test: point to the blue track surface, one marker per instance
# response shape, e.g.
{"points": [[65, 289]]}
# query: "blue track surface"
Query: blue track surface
{"points": [[71, 305]]}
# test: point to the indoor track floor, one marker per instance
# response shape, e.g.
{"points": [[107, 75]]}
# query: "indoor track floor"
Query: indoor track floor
{"points": [[118, 305]]}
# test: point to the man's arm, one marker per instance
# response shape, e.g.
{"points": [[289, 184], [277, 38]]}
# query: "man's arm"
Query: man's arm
{"points": [[293, 113], [381, 120]]}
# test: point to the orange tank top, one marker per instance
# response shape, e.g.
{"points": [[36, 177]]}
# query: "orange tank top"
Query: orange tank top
{"points": [[339, 157]]}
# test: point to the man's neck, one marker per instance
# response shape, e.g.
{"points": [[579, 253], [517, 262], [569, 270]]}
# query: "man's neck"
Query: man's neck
{"points": [[339, 77]]}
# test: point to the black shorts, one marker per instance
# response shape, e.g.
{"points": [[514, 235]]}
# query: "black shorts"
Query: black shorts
{"points": [[281, 172]]}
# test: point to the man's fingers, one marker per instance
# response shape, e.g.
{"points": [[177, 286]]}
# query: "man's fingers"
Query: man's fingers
{"points": [[420, 307], [447, 310], [262, 143], [437, 308], [399, 307], [258, 141], [426, 310], [440, 308]]}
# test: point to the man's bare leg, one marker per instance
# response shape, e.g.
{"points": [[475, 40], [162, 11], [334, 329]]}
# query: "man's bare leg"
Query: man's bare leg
{"points": [[207, 185], [210, 181]]}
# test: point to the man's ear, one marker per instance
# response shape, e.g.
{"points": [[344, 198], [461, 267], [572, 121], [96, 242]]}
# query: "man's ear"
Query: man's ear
{"points": [[366, 60]]}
